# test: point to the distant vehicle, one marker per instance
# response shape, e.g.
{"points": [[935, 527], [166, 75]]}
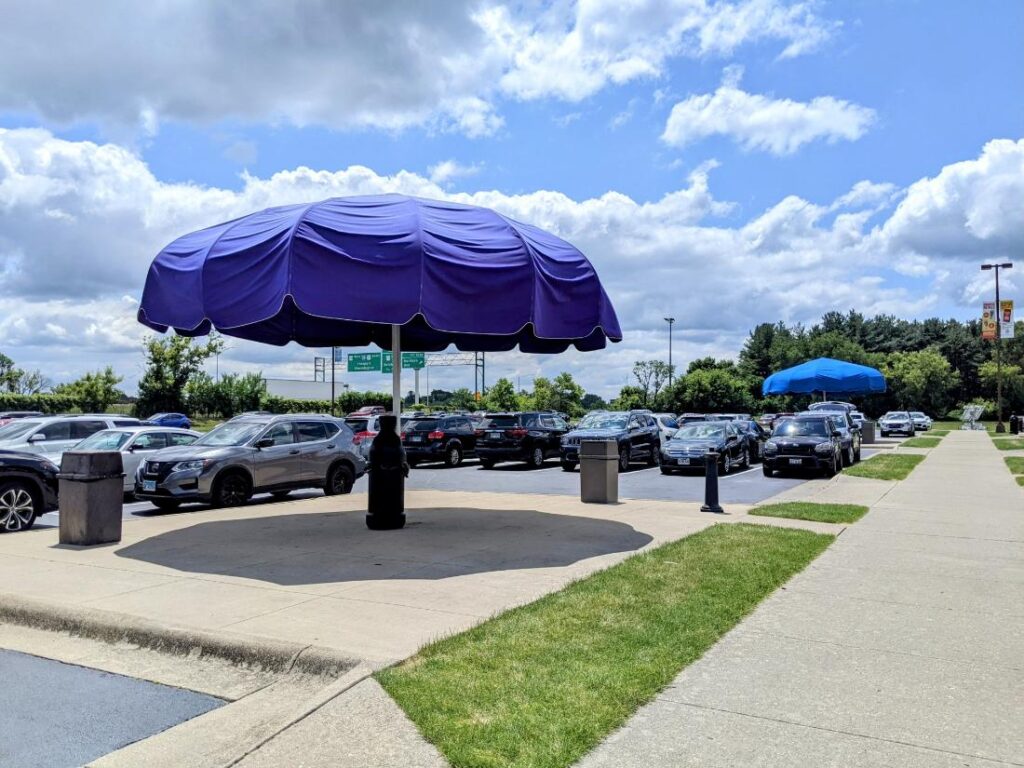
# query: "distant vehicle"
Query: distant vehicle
{"points": [[413, 414], [755, 436], [364, 429], [135, 444], [6, 417], [448, 439], [275, 454], [667, 426], [686, 418], [803, 442], [369, 410], [690, 445], [635, 432], [179, 420], [766, 419], [28, 488], [896, 422], [531, 437], [831, 405], [858, 418], [921, 422], [52, 435]]}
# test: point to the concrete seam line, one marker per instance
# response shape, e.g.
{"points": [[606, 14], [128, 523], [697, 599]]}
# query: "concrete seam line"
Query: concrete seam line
{"points": [[270, 655]]}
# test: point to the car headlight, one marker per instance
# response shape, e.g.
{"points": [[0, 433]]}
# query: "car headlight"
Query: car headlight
{"points": [[823, 448], [194, 464], [770, 448]]}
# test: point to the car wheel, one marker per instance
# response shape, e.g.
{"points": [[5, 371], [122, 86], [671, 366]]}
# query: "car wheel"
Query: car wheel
{"points": [[850, 458], [832, 467], [487, 463], [232, 490], [568, 466], [18, 507], [537, 457], [165, 505], [768, 471], [339, 481], [452, 456], [623, 459], [856, 454], [666, 471], [655, 457], [883, 433]]}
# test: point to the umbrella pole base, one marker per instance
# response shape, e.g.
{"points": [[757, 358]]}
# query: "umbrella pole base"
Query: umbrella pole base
{"points": [[385, 522]]}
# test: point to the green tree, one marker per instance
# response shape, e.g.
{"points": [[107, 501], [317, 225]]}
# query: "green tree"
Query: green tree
{"points": [[710, 390], [629, 398], [171, 363], [94, 392], [651, 376], [593, 402], [462, 400], [922, 380], [502, 396], [568, 395]]}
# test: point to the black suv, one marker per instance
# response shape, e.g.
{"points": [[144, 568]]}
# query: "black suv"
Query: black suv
{"points": [[635, 431], [447, 438], [28, 488], [530, 437], [804, 442]]}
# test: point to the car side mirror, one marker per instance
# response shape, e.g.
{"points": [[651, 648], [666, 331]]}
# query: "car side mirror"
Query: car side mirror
{"points": [[38, 437], [265, 442]]}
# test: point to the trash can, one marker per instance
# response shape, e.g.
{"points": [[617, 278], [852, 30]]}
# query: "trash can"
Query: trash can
{"points": [[1014, 424], [867, 432], [387, 470], [91, 495], [599, 471]]}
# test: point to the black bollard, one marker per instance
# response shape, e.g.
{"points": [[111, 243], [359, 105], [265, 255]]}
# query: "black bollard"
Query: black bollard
{"points": [[711, 484], [388, 470]]}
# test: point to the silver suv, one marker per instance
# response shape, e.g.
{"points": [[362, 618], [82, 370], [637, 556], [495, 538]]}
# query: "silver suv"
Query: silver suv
{"points": [[52, 435], [254, 454]]}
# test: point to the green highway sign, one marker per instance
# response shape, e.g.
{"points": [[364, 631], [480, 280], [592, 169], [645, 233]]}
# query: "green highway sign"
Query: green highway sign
{"points": [[362, 362], [412, 360]]}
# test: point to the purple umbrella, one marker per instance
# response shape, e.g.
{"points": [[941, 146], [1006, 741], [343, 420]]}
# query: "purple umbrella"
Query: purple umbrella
{"points": [[401, 272]]}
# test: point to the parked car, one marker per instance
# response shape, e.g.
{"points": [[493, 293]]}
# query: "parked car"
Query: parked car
{"points": [[7, 417], [858, 418], [636, 433], [179, 420], [667, 426], [686, 418], [52, 435], [135, 444], [766, 419], [28, 488], [691, 443], [364, 429], [275, 454], [850, 435], [832, 405], [369, 410], [531, 437], [921, 422], [896, 422], [755, 436], [449, 439], [803, 442]]}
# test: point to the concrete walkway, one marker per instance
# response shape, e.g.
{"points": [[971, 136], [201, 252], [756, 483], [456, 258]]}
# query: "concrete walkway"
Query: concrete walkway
{"points": [[902, 645]]}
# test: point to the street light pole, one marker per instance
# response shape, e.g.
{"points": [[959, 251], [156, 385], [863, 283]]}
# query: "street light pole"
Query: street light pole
{"points": [[670, 320], [1000, 427]]}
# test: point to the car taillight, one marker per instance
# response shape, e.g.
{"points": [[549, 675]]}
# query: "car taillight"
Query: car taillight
{"points": [[360, 436], [402, 436], [437, 434], [517, 432], [478, 432]]}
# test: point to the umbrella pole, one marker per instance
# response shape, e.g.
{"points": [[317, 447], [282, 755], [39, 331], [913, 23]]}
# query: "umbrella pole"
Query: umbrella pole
{"points": [[396, 371]]}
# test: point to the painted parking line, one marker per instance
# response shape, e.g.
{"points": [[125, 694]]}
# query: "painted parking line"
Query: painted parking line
{"points": [[737, 474]]}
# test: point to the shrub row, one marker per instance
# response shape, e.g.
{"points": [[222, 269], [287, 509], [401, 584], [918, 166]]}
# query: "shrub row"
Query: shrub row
{"points": [[345, 402], [44, 403]]}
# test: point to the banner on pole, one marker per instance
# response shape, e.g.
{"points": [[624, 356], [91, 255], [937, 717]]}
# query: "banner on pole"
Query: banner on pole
{"points": [[1006, 318], [988, 320]]}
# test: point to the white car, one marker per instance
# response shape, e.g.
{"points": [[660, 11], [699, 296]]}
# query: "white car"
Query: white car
{"points": [[667, 426], [921, 422], [896, 422], [858, 418], [52, 435], [135, 444]]}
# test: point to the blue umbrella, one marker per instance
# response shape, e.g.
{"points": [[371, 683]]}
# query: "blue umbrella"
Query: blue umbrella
{"points": [[401, 272], [825, 375]]}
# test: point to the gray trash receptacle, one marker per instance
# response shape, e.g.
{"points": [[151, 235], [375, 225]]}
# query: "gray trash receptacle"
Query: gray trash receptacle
{"points": [[91, 495], [599, 471], [867, 431]]}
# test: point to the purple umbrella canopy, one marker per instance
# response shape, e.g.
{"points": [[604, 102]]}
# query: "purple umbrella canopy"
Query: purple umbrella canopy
{"points": [[344, 271]]}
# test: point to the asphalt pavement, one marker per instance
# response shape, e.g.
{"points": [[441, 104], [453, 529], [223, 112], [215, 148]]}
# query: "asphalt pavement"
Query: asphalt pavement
{"points": [[59, 715]]}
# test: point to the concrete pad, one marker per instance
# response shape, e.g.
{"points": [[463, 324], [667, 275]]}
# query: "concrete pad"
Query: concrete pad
{"points": [[923, 562]]}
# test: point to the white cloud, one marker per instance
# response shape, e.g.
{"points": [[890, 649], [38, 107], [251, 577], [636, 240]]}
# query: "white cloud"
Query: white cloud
{"points": [[83, 270], [447, 170], [759, 122]]}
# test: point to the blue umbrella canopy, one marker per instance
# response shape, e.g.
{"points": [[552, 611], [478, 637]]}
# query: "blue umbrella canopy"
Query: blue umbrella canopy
{"points": [[381, 269], [825, 375]]}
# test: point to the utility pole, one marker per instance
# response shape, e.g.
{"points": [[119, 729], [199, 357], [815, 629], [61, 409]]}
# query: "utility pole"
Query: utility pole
{"points": [[670, 321], [334, 358], [1000, 427]]}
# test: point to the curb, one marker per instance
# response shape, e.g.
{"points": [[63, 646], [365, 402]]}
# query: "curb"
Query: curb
{"points": [[268, 655]]}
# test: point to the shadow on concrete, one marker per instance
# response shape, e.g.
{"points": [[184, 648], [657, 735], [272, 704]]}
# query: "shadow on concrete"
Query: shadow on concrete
{"points": [[337, 546]]}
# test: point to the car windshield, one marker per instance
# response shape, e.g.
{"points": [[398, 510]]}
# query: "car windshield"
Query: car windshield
{"points": [[18, 429], [896, 415], [232, 433], [707, 430], [801, 428], [107, 440], [917, 414], [604, 421]]}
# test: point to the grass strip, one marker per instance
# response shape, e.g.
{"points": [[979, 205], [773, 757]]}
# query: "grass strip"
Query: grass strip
{"points": [[1016, 464], [1010, 444], [1020, 479], [886, 466], [542, 684], [819, 513], [920, 442], [937, 433]]}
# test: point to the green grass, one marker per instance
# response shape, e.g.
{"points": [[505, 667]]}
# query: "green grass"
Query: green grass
{"points": [[1009, 444], [1016, 464], [921, 442], [819, 513], [541, 685], [937, 432], [1020, 480], [205, 425], [886, 466]]}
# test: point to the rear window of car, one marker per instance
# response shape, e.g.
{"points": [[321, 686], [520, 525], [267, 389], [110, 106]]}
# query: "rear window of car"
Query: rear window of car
{"points": [[502, 421], [357, 425], [422, 425]]}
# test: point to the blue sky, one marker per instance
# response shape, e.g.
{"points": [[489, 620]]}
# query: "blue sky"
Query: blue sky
{"points": [[780, 110]]}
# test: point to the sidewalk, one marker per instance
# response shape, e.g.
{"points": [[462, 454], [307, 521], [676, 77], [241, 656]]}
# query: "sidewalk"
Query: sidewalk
{"points": [[903, 644]]}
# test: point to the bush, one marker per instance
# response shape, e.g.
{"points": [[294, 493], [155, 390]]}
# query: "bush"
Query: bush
{"points": [[44, 403], [345, 402]]}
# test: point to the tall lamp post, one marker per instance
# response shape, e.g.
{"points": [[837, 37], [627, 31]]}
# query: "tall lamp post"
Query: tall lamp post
{"points": [[670, 320], [1000, 427]]}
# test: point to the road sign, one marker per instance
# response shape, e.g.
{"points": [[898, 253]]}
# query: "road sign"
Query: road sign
{"points": [[362, 362], [412, 360], [339, 355]]}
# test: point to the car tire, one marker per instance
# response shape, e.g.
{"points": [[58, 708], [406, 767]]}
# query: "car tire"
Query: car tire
{"points": [[655, 458], [19, 506], [487, 463], [339, 480], [624, 459], [831, 468], [536, 457], [165, 505], [883, 433], [666, 471], [856, 455], [452, 456], [232, 489], [768, 471], [851, 458], [568, 466]]}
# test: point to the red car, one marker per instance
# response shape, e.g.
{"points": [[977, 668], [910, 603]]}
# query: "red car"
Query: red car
{"points": [[369, 410]]}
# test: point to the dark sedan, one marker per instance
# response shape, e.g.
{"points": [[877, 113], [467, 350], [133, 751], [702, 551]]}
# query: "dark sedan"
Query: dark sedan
{"points": [[810, 442], [448, 439], [529, 437], [28, 488], [688, 448]]}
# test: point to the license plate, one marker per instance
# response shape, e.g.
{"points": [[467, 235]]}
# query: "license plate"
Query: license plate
{"points": [[416, 438], [149, 485], [494, 435], [684, 462], [796, 461]]}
